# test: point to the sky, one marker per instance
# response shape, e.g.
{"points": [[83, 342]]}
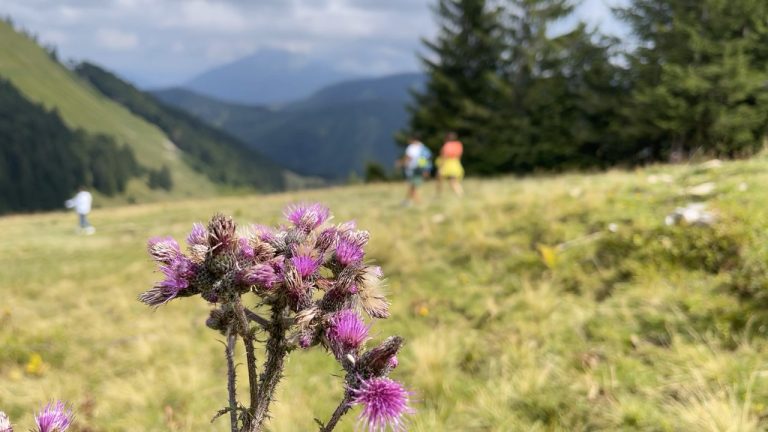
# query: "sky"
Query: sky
{"points": [[157, 43]]}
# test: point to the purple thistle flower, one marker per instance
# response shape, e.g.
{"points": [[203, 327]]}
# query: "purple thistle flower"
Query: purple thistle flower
{"points": [[177, 273], [384, 403], [264, 233], [5, 423], [163, 249], [346, 332], [244, 249], [262, 275], [198, 236], [54, 418], [348, 252], [305, 265], [307, 216]]}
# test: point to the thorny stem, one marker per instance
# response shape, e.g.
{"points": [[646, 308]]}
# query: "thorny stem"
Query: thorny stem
{"points": [[342, 409], [231, 377], [258, 319], [273, 367], [250, 355]]}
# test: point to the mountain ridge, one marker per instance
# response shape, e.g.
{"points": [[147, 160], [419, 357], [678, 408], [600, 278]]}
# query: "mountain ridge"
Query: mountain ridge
{"points": [[332, 133]]}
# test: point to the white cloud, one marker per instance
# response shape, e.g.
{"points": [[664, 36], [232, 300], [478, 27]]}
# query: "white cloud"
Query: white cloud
{"points": [[203, 15], [117, 40]]}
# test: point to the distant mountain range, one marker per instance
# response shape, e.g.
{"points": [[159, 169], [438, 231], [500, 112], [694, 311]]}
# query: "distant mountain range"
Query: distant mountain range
{"points": [[332, 133], [100, 123], [267, 77]]}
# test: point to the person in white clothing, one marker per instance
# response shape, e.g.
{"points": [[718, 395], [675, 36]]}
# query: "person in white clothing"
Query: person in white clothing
{"points": [[417, 164], [81, 202]]}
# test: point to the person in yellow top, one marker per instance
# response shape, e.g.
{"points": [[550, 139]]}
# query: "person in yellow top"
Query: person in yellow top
{"points": [[449, 164]]}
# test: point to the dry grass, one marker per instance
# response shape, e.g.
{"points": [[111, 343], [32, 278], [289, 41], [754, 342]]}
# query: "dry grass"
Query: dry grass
{"points": [[499, 338]]}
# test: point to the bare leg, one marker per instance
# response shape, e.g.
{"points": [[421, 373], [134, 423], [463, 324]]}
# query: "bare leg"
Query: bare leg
{"points": [[456, 187]]}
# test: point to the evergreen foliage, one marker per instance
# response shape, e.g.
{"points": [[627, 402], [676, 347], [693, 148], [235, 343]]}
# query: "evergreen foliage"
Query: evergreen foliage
{"points": [[523, 97], [42, 162]]}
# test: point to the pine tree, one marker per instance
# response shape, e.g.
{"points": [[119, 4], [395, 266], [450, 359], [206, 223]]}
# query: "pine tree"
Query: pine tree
{"points": [[699, 75], [461, 64], [559, 94]]}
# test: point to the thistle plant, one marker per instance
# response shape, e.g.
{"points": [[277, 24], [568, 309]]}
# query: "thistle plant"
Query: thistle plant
{"points": [[54, 417], [298, 286]]}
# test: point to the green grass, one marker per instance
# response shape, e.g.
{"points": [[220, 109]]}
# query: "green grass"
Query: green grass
{"points": [[616, 331], [44, 81]]}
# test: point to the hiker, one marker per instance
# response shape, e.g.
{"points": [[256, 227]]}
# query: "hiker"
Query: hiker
{"points": [[81, 202], [417, 163], [449, 164]]}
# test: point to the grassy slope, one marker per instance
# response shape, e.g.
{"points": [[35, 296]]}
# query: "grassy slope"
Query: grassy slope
{"points": [[496, 340], [31, 70]]}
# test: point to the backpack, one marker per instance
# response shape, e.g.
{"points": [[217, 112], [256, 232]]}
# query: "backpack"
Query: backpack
{"points": [[424, 162]]}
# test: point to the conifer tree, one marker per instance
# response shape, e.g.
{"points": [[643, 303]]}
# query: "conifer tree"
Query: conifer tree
{"points": [[699, 75], [461, 64]]}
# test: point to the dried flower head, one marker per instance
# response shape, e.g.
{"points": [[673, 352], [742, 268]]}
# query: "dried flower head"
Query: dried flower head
{"points": [[163, 249], [55, 417], [307, 216], [384, 403]]}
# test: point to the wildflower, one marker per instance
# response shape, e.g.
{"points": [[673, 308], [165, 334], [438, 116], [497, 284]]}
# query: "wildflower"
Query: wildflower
{"points": [[163, 249], [5, 423], [263, 233], [261, 275], [54, 418], [305, 265], [178, 274], [384, 403], [348, 252], [198, 236], [307, 216], [244, 249], [346, 332]]}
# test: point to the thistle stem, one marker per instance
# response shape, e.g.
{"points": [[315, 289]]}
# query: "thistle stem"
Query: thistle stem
{"points": [[342, 409], [273, 367], [247, 335], [231, 379]]}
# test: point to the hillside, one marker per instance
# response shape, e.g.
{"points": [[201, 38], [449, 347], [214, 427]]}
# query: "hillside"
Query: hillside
{"points": [[44, 81], [331, 134], [266, 77], [42, 161], [543, 304], [224, 159]]}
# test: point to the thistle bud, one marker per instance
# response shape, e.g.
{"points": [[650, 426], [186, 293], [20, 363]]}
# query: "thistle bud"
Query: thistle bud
{"points": [[221, 233], [378, 361]]}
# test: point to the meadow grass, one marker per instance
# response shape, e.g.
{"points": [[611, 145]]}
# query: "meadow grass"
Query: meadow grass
{"points": [[520, 309]]}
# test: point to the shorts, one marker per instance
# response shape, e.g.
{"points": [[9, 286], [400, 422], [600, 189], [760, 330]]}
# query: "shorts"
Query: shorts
{"points": [[415, 176], [451, 168]]}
